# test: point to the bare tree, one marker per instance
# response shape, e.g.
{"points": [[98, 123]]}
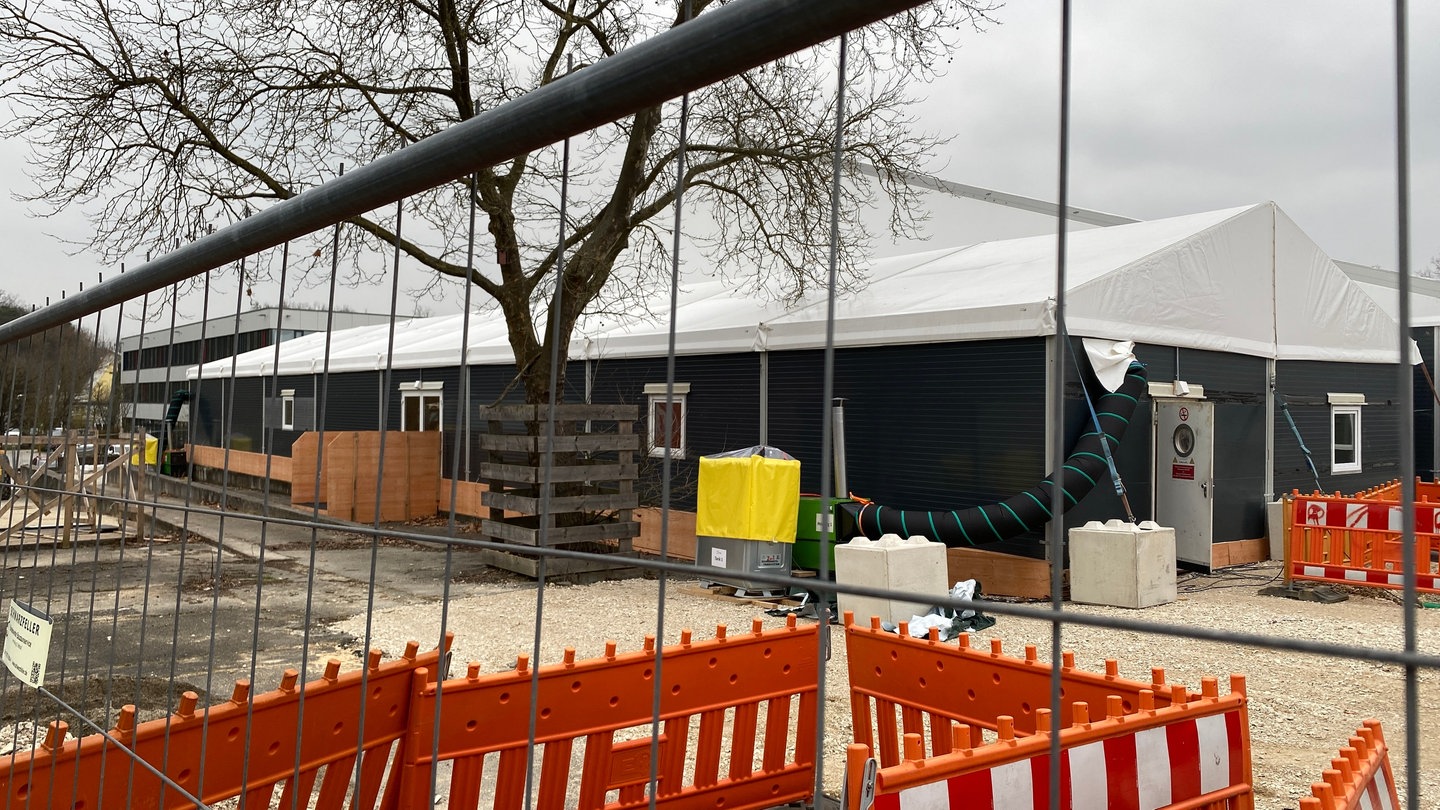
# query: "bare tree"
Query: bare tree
{"points": [[162, 117], [57, 378]]}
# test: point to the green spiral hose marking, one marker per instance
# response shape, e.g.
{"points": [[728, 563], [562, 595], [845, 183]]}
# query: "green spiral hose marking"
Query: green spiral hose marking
{"points": [[1081, 472], [961, 525], [1038, 503], [1012, 514], [1115, 415], [991, 525], [935, 532]]}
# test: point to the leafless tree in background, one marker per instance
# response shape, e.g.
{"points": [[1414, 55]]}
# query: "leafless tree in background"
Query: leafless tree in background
{"points": [[163, 118]]}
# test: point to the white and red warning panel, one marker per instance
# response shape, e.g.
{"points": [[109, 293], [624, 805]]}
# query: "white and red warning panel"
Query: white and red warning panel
{"points": [[27, 642]]}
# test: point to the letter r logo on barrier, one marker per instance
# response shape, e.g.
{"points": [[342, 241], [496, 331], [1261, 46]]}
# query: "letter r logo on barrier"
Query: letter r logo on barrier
{"points": [[1315, 514]]}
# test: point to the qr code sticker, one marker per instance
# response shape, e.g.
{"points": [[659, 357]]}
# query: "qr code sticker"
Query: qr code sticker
{"points": [[35, 672]]}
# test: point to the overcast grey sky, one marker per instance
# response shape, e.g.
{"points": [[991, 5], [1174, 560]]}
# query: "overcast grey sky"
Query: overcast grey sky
{"points": [[1178, 107]]}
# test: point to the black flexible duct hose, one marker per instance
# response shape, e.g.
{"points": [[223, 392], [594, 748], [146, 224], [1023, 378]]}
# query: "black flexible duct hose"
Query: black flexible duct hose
{"points": [[1027, 511]]}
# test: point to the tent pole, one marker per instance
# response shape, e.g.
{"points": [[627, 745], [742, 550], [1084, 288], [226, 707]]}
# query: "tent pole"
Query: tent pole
{"points": [[1269, 429], [764, 397]]}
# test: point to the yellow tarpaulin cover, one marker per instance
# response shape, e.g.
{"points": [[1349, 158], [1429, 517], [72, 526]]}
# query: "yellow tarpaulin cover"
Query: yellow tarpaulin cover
{"points": [[752, 498], [152, 452]]}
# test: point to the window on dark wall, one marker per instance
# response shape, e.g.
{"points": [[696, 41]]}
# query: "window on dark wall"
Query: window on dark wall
{"points": [[287, 409], [666, 419], [421, 406], [1345, 432]]}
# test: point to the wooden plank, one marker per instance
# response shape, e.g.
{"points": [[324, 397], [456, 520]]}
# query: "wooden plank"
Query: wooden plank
{"points": [[245, 462], [1239, 552], [524, 474], [681, 540], [571, 412], [423, 465], [467, 497], [525, 533], [594, 442], [579, 503], [303, 458], [339, 464], [1000, 574]]}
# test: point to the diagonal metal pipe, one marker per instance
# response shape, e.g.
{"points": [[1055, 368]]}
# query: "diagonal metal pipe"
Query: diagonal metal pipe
{"points": [[731, 39]]}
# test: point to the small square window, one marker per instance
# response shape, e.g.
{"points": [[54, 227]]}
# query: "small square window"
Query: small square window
{"points": [[665, 429], [1345, 439]]}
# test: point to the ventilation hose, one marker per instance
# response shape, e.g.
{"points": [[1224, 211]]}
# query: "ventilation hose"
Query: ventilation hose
{"points": [[1029, 510]]}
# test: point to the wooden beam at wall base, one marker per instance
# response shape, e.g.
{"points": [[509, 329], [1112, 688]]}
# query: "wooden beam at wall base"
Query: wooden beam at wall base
{"points": [[1239, 552], [1000, 574]]}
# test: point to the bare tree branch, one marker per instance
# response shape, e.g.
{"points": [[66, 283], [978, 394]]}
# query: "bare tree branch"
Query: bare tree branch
{"points": [[162, 118]]}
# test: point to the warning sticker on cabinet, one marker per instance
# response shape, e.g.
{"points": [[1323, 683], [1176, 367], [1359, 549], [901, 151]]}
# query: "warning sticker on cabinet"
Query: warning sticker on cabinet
{"points": [[1185, 472]]}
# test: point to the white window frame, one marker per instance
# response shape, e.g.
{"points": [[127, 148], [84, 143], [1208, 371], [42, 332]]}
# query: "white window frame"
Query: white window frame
{"points": [[287, 409], [423, 391], [1346, 405], [655, 443]]}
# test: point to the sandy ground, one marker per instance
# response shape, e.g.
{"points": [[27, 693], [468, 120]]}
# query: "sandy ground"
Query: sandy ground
{"points": [[1302, 708], [127, 634]]}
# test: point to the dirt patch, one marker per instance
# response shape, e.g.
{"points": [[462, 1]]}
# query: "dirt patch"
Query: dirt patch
{"points": [[91, 697]]}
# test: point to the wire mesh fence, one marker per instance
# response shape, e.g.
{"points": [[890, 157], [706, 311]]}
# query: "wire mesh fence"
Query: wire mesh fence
{"points": [[248, 575]]}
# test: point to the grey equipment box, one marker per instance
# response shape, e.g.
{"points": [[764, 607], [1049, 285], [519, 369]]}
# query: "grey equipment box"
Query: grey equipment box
{"points": [[729, 561]]}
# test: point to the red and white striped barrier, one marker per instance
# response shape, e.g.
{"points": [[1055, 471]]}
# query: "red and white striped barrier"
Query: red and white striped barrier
{"points": [[1357, 514], [1355, 541], [1361, 576], [1150, 769], [976, 732]]}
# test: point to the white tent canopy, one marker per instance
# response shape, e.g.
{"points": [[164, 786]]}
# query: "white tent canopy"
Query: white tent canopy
{"points": [[1243, 280], [1384, 287]]}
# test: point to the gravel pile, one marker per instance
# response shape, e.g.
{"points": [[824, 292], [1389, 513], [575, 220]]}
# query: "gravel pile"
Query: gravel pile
{"points": [[1302, 707]]}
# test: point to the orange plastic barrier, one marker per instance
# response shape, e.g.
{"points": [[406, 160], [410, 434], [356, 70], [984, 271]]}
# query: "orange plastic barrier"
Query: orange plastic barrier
{"points": [[1390, 491], [1357, 541], [756, 691], [91, 772], [1126, 743], [737, 716], [1359, 778]]}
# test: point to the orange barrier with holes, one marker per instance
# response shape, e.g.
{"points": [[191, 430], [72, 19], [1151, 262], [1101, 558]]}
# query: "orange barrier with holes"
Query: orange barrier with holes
{"points": [[1359, 778], [756, 690], [737, 717], [1358, 541], [988, 729], [205, 752]]}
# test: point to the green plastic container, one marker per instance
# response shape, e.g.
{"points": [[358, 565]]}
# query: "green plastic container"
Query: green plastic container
{"points": [[811, 530]]}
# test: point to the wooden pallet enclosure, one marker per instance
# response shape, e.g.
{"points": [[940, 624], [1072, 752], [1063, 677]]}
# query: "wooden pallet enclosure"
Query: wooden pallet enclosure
{"points": [[577, 491]]}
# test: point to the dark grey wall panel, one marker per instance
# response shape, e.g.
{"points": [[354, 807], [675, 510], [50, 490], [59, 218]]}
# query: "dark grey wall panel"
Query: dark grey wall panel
{"points": [[1425, 405], [1305, 385]]}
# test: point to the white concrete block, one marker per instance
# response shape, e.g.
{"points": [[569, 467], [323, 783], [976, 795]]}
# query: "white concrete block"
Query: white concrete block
{"points": [[915, 565], [1275, 528], [1122, 564]]}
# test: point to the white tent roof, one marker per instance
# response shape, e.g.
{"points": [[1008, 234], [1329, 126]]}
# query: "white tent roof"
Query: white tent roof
{"points": [[1384, 287], [1243, 280]]}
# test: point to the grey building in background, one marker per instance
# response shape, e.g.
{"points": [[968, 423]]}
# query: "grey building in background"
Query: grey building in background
{"points": [[153, 366]]}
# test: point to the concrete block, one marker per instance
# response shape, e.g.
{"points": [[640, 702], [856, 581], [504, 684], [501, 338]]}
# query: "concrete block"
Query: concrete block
{"points": [[1122, 564], [1275, 528], [915, 565]]}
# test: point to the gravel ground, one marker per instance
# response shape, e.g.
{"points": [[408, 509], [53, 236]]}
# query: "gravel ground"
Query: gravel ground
{"points": [[1302, 707]]}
